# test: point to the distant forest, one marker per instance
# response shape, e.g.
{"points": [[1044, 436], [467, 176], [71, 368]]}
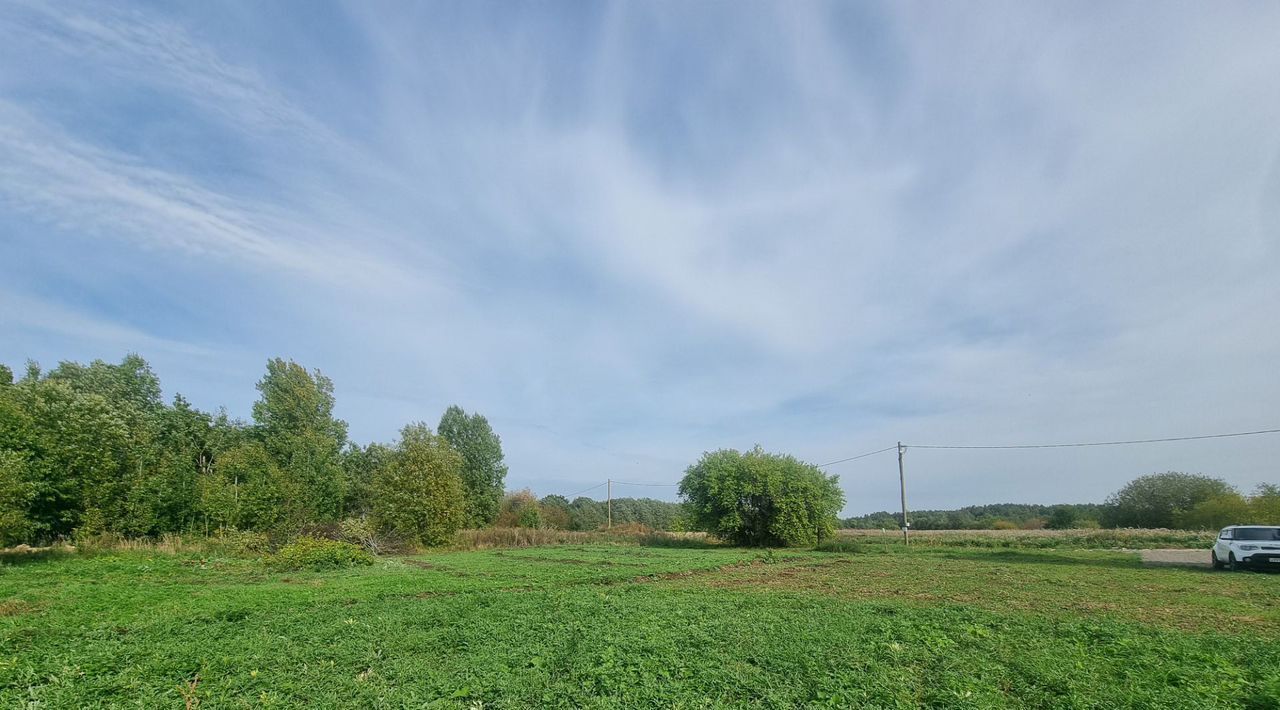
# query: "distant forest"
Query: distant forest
{"points": [[987, 517], [587, 514]]}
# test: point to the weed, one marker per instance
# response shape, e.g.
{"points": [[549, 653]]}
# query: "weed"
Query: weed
{"points": [[318, 554]]}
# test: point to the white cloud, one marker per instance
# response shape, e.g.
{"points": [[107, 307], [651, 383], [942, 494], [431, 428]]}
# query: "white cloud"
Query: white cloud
{"points": [[1036, 224]]}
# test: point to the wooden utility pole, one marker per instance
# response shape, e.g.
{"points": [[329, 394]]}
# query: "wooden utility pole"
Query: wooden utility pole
{"points": [[609, 505], [902, 486]]}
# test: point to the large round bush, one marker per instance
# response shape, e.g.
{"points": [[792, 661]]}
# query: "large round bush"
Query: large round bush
{"points": [[761, 499]]}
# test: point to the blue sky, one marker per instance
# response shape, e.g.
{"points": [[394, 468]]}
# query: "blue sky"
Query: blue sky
{"points": [[629, 233]]}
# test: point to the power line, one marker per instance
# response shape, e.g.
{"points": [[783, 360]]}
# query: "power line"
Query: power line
{"points": [[983, 446], [859, 456], [1095, 443], [587, 490]]}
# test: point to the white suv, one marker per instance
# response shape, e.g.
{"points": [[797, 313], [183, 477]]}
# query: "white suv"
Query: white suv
{"points": [[1246, 545]]}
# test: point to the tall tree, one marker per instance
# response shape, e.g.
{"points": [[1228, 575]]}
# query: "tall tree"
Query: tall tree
{"points": [[294, 416], [419, 493], [79, 456], [168, 498], [360, 467], [483, 471], [16, 494]]}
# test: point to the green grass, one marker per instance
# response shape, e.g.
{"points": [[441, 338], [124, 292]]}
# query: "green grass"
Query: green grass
{"points": [[626, 626]]}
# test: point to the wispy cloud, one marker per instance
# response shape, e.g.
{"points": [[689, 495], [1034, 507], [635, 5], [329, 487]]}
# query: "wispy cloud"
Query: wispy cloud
{"points": [[630, 233]]}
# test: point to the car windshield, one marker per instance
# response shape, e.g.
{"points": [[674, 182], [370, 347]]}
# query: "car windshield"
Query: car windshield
{"points": [[1257, 533]]}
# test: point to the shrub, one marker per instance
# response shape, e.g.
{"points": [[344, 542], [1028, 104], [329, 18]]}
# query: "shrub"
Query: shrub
{"points": [[318, 554], [240, 542], [520, 510], [1004, 525], [361, 532]]}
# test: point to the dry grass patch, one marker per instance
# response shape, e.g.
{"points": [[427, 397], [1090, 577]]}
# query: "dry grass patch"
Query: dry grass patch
{"points": [[16, 607]]}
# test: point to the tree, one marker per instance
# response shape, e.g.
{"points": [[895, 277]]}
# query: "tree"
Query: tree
{"points": [[1063, 517], [555, 512], [16, 494], [79, 457], [245, 490], [1264, 506], [761, 499], [419, 493], [295, 421], [586, 514], [483, 472], [520, 510], [1155, 500], [360, 468], [1217, 512], [164, 494]]}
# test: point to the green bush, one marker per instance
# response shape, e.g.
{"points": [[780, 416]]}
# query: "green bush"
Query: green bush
{"points": [[1157, 500], [240, 542], [318, 554], [360, 532], [761, 499]]}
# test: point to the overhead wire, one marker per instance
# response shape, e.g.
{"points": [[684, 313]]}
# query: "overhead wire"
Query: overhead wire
{"points": [[587, 490], [859, 456], [983, 446], [1095, 443]]}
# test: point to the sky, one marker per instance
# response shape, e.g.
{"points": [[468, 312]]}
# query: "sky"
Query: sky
{"points": [[630, 233]]}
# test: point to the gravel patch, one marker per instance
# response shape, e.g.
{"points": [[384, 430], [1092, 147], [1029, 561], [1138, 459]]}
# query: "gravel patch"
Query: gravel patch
{"points": [[1175, 558]]}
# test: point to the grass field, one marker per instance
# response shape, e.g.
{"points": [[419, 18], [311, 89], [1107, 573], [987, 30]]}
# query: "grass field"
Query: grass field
{"points": [[627, 626]]}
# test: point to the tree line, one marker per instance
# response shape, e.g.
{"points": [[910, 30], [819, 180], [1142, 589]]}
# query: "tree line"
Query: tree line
{"points": [[87, 449], [90, 449], [1173, 499], [985, 517]]}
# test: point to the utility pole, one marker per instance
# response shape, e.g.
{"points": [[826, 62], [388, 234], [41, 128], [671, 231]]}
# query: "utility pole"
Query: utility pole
{"points": [[902, 486], [609, 505]]}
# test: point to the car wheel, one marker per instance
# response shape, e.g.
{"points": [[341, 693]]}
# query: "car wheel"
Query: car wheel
{"points": [[1217, 563], [1232, 563]]}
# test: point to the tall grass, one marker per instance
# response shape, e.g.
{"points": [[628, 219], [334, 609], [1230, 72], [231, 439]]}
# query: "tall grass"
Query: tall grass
{"points": [[231, 543], [1124, 538], [487, 538]]}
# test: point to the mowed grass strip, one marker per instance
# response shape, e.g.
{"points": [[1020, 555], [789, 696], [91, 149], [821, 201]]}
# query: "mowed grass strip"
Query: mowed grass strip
{"points": [[1078, 584], [623, 627]]}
